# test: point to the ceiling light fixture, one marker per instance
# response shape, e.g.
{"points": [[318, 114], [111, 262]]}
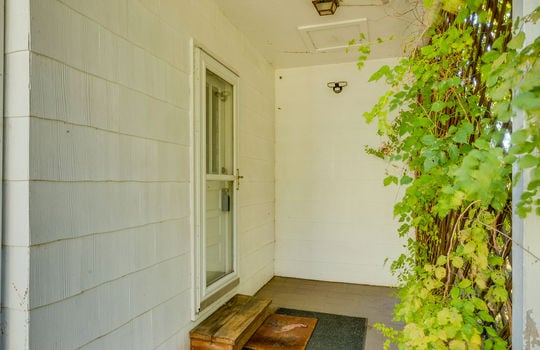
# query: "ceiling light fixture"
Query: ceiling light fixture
{"points": [[326, 7], [337, 86]]}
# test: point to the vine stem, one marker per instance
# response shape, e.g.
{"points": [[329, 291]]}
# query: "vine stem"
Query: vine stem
{"points": [[458, 220], [458, 98], [513, 241]]}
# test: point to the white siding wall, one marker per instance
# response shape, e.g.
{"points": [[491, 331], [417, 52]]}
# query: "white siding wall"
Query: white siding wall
{"points": [[15, 249], [333, 215], [526, 267], [98, 230]]}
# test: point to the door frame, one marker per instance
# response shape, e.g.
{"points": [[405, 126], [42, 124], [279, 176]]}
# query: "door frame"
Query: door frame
{"points": [[203, 296]]}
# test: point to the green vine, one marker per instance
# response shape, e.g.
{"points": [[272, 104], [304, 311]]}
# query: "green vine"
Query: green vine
{"points": [[447, 123]]}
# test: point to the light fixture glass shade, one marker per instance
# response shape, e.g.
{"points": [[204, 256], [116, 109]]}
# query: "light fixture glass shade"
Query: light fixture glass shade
{"points": [[325, 7]]}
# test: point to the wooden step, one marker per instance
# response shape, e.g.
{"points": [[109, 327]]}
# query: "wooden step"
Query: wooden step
{"points": [[231, 326]]}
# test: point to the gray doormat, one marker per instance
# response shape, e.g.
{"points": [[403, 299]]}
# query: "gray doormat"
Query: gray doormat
{"points": [[333, 332]]}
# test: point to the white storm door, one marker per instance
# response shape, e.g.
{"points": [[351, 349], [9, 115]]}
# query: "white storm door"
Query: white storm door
{"points": [[215, 171], [219, 159]]}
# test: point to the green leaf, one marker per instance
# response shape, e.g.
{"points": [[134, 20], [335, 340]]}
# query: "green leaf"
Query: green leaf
{"points": [[463, 133], [500, 294], [443, 316], [482, 144], [457, 345], [526, 101], [428, 140], [389, 180], [364, 49], [383, 71], [479, 304], [510, 158], [469, 248], [429, 163], [457, 262], [491, 332], [502, 111], [440, 272], [428, 3], [438, 106], [517, 41], [405, 180], [498, 278], [441, 260], [492, 55], [530, 80], [480, 282], [465, 283], [528, 161], [485, 316], [500, 60], [520, 136], [452, 6]]}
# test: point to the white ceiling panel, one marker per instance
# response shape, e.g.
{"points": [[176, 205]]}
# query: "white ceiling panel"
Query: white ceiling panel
{"points": [[333, 36], [272, 26], [363, 2]]}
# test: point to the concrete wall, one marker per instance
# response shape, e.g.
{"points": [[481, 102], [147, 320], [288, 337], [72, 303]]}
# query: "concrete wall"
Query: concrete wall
{"points": [[333, 214], [97, 248]]}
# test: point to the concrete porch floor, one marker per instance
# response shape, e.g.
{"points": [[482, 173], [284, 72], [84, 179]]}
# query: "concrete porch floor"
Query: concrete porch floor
{"points": [[372, 302]]}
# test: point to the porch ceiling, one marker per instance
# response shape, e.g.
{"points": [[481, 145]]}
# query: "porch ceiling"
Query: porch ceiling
{"points": [[273, 27]]}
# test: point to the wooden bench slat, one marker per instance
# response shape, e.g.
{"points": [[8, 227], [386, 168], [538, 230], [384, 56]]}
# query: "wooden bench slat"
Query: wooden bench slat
{"points": [[231, 326], [219, 318], [241, 319]]}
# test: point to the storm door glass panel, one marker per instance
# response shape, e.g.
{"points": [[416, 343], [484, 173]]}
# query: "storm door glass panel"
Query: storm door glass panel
{"points": [[219, 228], [219, 179], [219, 126]]}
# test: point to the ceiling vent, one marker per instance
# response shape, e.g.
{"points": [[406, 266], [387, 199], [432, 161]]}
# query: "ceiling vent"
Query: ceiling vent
{"points": [[333, 36]]}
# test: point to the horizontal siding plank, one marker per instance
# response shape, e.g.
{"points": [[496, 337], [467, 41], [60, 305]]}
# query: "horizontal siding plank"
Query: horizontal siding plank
{"points": [[61, 92], [64, 152], [61, 210]]}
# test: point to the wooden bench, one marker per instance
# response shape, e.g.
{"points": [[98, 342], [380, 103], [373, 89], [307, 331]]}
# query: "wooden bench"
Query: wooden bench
{"points": [[231, 326]]}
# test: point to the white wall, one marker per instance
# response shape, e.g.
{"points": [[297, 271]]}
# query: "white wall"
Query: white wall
{"points": [[98, 171], [15, 244], [334, 217], [525, 264], [2, 19]]}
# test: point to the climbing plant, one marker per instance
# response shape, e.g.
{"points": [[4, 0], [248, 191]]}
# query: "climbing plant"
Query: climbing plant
{"points": [[447, 125]]}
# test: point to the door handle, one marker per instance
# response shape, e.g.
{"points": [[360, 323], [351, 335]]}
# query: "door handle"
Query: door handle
{"points": [[238, 177], [225, 200]]}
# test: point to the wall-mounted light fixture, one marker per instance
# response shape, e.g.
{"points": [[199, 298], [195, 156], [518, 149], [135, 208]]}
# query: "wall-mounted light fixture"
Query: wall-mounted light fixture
{"points": [[326, 7], [337, 86]]}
